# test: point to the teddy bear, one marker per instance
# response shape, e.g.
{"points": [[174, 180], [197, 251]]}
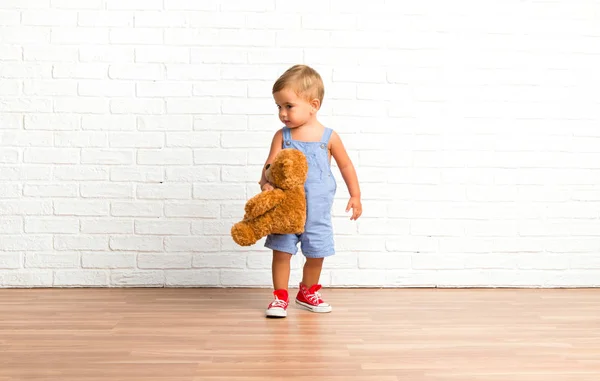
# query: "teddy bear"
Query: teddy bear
{"points": [[278, 211]]}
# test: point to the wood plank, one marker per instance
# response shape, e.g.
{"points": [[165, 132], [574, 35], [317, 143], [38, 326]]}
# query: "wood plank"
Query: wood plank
{"points": [[186, 334]]}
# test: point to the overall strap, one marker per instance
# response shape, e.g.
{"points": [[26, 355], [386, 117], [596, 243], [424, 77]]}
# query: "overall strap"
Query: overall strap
{"points": [[326, 135], [287, 137]]}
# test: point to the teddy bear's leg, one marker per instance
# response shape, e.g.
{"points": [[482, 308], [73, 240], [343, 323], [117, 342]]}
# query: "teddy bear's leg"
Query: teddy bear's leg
{"points": [[243, 234]]}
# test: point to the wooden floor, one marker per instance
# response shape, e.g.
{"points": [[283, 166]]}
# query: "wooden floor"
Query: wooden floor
{"points": [[372, 335]]}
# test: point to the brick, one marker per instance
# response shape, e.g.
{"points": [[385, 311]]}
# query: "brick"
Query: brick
{"points": [[246, 140], [192, 72], [193, 210], [10, 122], [51, 225], [219, 260], [81, 105], [191, 278], [25, 208], [80, 242], [81, 173], [80, 139], [106, 190], [164, 261], [10, 88], [80, 71], [48, 17], [136, 209], [163, 89], [168, 227], [11, 225], [167, 156], [158, 19], [24, 35], [162, 54], [186, 5], [52, 260], [76, 4], [211, 191], [193, 106], [108, 122], [270, 20], [248, 278], [50, 54], [137, 174], [249, 174], [9, 17], [108, 260], [217, 55], [220, 157], [136, 140], [80, 208], [135, 36], [26, 279], [81, 278], [26, 105], [384, 261], [193, 140], [51, 156], [164, 191], [165, 123], [10, 261], [26, 242], [79, 35], [105, 89], [9, 156], [134, 4], [136, 71], [137, 106], [125, 278], [106, 156], [106, 226], [220, 89], [329, 22], [191, 244], [221, 122], [193, 174], [52, 122], [107, 53], [233, 210], [10, 52], [8, 190], [136, 243]]}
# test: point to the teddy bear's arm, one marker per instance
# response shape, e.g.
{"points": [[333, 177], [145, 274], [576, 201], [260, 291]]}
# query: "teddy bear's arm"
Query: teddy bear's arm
{"points": [[263, 202]]}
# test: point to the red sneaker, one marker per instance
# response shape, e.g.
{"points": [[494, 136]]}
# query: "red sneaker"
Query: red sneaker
{"points": [[310, 299], [278, 307]]}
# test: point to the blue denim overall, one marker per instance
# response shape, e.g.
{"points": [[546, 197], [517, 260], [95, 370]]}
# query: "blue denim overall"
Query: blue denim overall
{"points": [[320, 187]]}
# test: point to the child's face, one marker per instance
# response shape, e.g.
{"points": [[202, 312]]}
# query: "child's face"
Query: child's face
{"points": [[294, 111]]}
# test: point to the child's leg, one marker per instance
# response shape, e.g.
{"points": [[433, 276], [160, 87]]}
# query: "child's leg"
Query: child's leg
{"points": [[281, 269], [312, 271]]}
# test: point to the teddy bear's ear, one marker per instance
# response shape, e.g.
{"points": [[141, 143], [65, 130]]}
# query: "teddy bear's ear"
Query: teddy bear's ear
{"points": [[287, 163]]}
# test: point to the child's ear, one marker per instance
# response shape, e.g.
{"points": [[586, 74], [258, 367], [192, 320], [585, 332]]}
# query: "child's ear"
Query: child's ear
{"points": [[315, 104]]}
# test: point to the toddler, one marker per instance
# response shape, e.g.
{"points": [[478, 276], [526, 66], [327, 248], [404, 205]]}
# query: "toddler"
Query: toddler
{"points": [[298, 94]]}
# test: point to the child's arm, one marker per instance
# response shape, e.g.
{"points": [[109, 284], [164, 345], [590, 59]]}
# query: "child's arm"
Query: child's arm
{"points": [[276, 144], [348, 173]]}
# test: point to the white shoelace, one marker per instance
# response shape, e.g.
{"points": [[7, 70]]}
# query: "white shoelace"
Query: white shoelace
{"points": [[314, 298], [278, 303]]}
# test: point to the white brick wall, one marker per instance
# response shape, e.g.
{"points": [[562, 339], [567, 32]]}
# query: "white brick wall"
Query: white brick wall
{"points": [[132, 132]]}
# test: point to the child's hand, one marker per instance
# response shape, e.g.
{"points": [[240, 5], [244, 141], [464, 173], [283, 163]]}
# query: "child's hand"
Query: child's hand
{"points": [[356, 207], [267, 187]]}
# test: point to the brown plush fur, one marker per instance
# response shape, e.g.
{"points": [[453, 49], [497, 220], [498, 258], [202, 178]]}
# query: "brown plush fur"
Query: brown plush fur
{"points": [[279, 211]]}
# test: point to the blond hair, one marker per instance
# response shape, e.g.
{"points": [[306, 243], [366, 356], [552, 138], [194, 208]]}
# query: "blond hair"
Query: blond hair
{"points": [[304, 80]]}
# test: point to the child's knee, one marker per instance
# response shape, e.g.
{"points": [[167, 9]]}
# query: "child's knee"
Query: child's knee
{"points": [[281, 256]]}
